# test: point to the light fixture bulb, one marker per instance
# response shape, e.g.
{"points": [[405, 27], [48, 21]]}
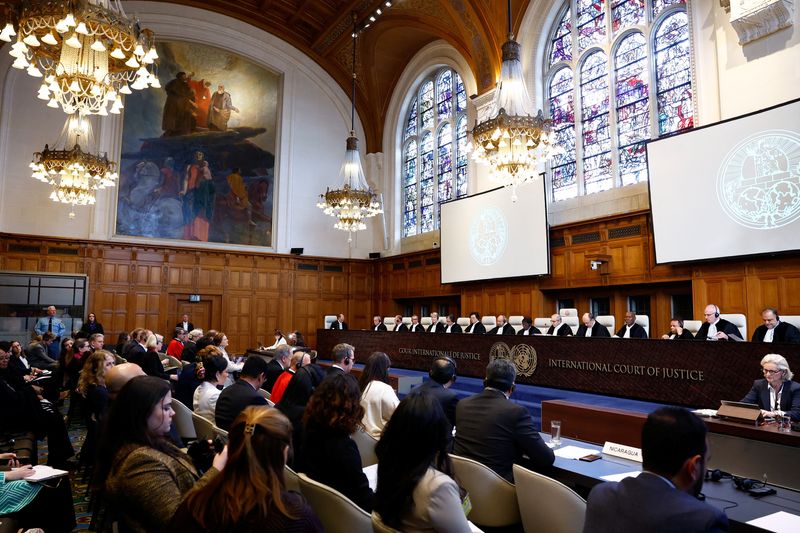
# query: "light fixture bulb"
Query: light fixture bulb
{"points": [[98, 46], [31, 40], [50, 39], [7, 33], [73, 41], [117, 53], [131, 62]]}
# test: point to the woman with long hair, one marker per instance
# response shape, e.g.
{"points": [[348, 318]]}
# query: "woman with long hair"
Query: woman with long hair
{"points": [[328, 454], [90, 327], [280, 338], [221, 342], [93, 391], [73, 362], [250, 494], [145, 476], [215, 372], [416, 490], [377, 397]]}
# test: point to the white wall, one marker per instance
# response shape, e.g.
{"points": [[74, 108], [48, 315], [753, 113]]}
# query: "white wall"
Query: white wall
{"points": [[313, 126]]}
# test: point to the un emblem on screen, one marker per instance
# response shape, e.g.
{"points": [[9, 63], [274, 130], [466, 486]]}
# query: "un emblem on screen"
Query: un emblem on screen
{"points": [[522, 355], [758, 184], [488, 235]]}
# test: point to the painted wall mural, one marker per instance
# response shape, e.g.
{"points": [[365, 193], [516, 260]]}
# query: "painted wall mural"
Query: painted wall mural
{"points": [[198, 154]]}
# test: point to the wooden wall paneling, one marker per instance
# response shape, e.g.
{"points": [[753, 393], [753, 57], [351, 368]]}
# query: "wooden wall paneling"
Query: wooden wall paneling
{"points": [[238, 321]]}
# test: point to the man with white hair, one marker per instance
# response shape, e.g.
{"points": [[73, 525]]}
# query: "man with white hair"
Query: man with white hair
{"points": [[558, 327], [591, 327], [715, 328], [502, 327], [436, 326], [776, 394]]}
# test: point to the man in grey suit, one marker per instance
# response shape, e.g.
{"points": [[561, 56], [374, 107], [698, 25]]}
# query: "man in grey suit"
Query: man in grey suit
{"points": [[497, 432], [663, 498]]}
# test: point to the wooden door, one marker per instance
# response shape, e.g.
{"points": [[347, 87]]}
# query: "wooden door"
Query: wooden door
{"points": [[199, 312]]}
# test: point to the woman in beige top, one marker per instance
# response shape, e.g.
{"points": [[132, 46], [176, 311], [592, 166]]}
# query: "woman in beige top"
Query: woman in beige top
{"points": [[377, 397]]}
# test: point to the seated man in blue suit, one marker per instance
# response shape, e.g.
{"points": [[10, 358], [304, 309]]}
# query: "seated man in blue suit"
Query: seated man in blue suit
{"points": [[664, 496]]}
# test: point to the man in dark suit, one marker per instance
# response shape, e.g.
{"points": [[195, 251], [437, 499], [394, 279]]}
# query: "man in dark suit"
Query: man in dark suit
{"points": [[190, 346], [558, 328], [664, 496], [136, 349], [339, 323], [676, 331], [185, 324], [442, 375], [398, 323], [450, 325], [416, 327], [776, 393], [773, 330], [343, 356], [716, 328], [502, 327], [631, 330], [242, 393], [38, 356], [527, 327], [591, 328], [436, 326], [280, 361], [497, 432], [377, 324], [475, 325]]}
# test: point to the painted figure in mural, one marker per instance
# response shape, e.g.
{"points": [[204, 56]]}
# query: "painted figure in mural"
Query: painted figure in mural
{"points": [[170, 180], [221, 107], [179, 109], [202, 99], [238, 198], [198, 199]]}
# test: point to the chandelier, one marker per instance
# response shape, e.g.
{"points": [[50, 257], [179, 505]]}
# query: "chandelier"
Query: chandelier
{"points": [[73, 172], [354, 201], [514, 141], [87, 52]]}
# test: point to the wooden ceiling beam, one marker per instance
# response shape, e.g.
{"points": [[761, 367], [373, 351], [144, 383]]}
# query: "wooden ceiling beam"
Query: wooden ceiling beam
{"points": [[298, 12]]}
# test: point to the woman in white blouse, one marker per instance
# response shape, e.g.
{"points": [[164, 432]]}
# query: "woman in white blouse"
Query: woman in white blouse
{"points": [[221, 342], [279, 339], [377, 397], [215, 369]]}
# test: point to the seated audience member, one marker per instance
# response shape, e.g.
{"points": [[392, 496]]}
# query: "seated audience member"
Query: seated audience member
{"points": [[280, 361], [715, 328], [416, 327], [377, 324], [631, 330], [527, 327], [298, 360], [190, 377], [19, 364], [189, 352], [279, 339], [119, 375], [677, 331], [28, 506], [150, 361], [206, 395], [122, 340], [497, 432], [135, 349], [328, 454], [296, 339], [242, 393], [442, 376], [776, 394], [398, 323], [97, 341], [343, 356], [94, 395], [663, 498], [220, 340], [416, 490], [73, 360], [178, 343], [436, 326], [90, 327], [144, 476], [250, 493], [294, 400], [450, 325], [19, 360], [502, 327], [38, 353], [339, 323], [774, 329], [377, 397], [475, 325], [591, 328]]}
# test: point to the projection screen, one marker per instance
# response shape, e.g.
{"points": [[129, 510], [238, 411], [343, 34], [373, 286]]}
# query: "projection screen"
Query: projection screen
{"points": [[487, 236], [729, 189]]}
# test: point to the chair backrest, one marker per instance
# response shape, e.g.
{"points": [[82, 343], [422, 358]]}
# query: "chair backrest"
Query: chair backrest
{"points": [[791, 319], [183, 420], [366, 447], [739, 320], [291, 479], [572, 322], [425, 321], [337, 513], [203, 427], [264, 394], [609, 322], [388, 321], [407, 320], [219, 431], [463, 321], [494, 500], [516, 322], [644, 321], [692, 325], [489, 321], [329, 319], [542, 324], [548, 505], [568, 311], [174, 362], [379, 527]]}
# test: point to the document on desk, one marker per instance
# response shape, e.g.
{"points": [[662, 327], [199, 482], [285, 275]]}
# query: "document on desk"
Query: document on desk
{"points": [[620, 477], [44, 472], [573, 452], [780, 522]]}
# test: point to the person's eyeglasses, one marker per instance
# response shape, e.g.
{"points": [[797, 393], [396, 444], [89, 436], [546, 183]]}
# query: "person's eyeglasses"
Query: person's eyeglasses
{"points": [[768, 371]]}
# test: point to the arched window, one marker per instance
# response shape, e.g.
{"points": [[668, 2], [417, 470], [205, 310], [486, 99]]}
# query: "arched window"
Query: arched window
{"points": [[434, 150], [602, 56]]}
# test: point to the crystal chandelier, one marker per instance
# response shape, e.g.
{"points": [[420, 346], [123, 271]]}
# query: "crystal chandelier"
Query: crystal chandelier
{"points": [[514, 141], [87, 52], [74, 173], [354, 201]]}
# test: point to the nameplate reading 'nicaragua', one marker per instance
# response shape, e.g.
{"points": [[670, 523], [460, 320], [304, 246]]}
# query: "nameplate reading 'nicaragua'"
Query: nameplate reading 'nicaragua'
{"points": [[622, 451]]}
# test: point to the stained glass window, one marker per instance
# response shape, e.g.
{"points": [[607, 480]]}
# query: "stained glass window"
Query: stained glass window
{"points": [[600, 97], [435, 136]]}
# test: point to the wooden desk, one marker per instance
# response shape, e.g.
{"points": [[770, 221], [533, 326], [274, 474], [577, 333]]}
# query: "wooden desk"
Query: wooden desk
{"points": [[747, 451], [691, 373]]}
